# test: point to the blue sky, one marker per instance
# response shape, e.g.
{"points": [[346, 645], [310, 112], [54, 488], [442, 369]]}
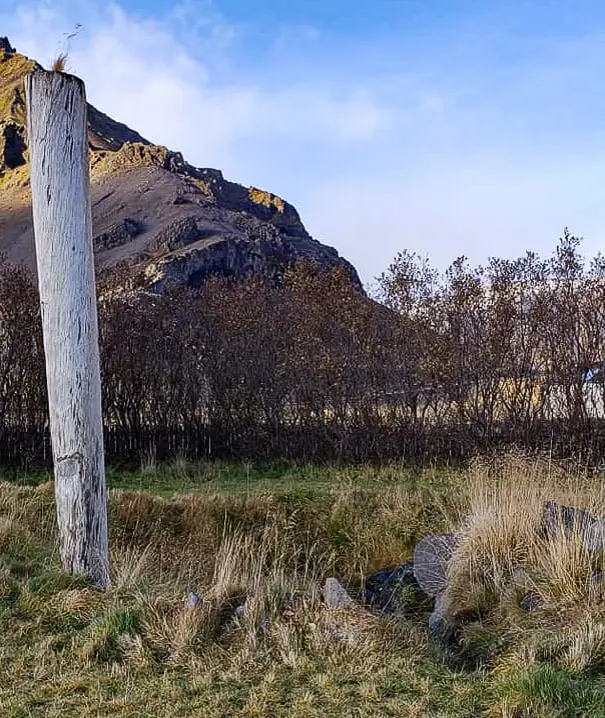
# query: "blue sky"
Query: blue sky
{"points": [[446, 127]]}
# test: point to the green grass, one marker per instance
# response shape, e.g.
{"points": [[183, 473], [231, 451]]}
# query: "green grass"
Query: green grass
{"points": [[270, 536], [253, 479]]}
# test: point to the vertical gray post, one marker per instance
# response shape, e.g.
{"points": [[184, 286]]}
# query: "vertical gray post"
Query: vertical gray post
{"points": [[58, 150]]}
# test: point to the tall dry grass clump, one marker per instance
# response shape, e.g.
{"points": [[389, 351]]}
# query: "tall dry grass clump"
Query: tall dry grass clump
{"points": [[59, 63], [515, 586], [257, 565], [499, 532]]}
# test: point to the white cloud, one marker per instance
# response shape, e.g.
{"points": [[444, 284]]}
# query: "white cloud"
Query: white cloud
{"points": [[446, 158], [139, 71]]}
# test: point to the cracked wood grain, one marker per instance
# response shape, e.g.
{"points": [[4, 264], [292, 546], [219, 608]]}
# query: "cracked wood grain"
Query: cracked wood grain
{"points": [[58, 147]]}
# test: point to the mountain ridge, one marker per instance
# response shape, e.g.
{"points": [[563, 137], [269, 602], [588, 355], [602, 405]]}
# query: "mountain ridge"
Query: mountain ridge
{"points": [[176, 223]]}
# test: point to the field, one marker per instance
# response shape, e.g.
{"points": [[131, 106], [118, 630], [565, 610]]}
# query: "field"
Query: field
{"points": [[269, 536]]}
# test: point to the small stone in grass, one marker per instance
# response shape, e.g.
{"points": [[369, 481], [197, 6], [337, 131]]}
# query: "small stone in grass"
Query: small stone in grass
{"points": [[336, 596], [193, 600]]}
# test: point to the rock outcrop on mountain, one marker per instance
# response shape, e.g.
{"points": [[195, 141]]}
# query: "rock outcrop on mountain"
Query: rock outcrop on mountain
{"points": [[177, 223]]}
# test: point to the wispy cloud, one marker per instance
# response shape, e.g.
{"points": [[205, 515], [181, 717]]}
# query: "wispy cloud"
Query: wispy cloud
{"points": [[142, 71], [468, 141]]}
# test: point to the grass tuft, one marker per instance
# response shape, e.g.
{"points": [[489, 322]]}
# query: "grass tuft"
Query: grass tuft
{"points": [[59, 63]]}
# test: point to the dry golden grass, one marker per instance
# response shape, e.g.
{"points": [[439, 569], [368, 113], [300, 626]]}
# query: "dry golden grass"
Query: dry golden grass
{"points": [[503, 546], [59, 63], [261, 641]]}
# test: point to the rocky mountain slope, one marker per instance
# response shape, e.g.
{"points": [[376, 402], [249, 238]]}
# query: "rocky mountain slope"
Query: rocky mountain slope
{"points": [[178, 223]]}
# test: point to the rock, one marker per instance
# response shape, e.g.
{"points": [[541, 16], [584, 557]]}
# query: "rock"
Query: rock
{"points": [[394, 591], [531, 602], [594, 536], [596, 587], [193, 600], [564, 518], [6, 47], [240, 612], [431, 557], [336, 596], [177, 235], [572, 521], [119, 234], [197, 224], [441, 623], [12, 145]]}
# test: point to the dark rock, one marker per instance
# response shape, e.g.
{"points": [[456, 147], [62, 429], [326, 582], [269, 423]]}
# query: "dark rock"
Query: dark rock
{"points": [[393, 591], [336, 595], [564, 518], [5, 46], [575, 522], [175, 163], [531, 602], [118, 235], [12, 145], [431, 557], [177, 235]]}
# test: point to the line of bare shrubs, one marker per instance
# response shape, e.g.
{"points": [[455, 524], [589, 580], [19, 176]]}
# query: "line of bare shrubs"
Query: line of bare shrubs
{"points": [[441, 367]]}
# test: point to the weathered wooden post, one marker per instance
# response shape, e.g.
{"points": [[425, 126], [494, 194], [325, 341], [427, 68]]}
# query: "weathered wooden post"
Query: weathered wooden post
{"points": [[58, 150]]}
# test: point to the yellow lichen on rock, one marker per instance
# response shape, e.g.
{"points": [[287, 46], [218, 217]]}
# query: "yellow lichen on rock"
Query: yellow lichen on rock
{"points": [[204, 187], [267, 199], [131, 154]]}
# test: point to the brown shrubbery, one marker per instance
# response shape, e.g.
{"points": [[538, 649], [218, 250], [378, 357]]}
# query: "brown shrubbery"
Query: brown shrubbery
{"points": [[443, 366]]}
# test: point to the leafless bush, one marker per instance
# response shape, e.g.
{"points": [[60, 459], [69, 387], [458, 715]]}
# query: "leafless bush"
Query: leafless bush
{"points": [[441, 367]]}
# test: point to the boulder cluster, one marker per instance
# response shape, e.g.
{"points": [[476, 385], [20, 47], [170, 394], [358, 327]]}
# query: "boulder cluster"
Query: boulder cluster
{"points": [[424, 584]]}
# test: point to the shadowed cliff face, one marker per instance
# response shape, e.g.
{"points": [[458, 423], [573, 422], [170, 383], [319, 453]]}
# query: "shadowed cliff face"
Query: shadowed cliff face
{"points": [[177, 223]]}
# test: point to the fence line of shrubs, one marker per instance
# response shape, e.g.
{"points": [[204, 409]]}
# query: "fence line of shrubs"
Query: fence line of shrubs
{"points": [[436, 366]]}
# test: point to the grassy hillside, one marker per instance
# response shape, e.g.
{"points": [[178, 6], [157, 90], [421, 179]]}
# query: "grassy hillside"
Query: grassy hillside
{"points": [[270, 538], [12, 101]]}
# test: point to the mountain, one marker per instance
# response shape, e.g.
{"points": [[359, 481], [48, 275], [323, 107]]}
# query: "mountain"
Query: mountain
{"points": [[177, 223]]}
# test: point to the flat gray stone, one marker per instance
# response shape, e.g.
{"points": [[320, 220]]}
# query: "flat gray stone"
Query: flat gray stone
{"points": [[569, 521], [336, 596], [431, 557], [193, 600]]}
